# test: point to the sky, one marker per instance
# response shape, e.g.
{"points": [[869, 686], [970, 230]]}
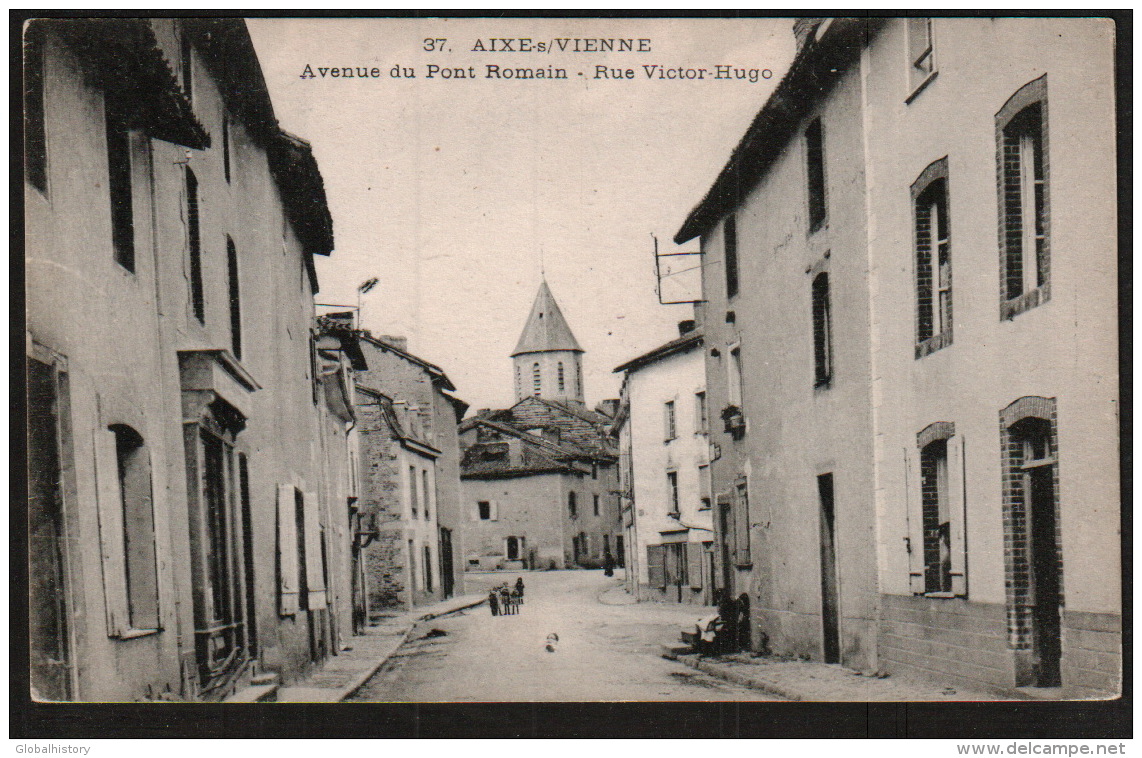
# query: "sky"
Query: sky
{"points": [[460, 194]]}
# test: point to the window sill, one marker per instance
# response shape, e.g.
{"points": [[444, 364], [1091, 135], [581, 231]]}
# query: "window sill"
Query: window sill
{"points": [[933, 343], [1009, 309], [747, 565], [921, 87], [134, 634], [823, 384], [940, 595]]}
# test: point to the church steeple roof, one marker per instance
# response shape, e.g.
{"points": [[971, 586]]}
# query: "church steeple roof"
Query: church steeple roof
{"points": [[546, 330]]}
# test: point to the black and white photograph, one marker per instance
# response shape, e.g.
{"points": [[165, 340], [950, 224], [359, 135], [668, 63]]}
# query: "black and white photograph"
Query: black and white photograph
{"points": [[454, 359]]}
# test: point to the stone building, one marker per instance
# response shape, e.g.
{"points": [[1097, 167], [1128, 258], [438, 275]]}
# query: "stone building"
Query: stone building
{"points": [[890, 496], [409, 482], [185, 536], [540, 479], [664, 472]]}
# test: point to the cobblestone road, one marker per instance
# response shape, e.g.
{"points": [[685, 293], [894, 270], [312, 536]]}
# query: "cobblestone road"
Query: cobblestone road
{"points": [[605, 652]]}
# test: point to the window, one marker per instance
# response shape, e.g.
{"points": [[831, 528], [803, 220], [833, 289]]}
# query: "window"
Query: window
{"points": [[35, 136], [815, 174], [427, 495], [484, 510], [535, 379], [561, 385], [427, 569], [226, 147], [936, 517], [672, 492], [572, 507], [414, 579], [518, 380], [730, 239], [235, 298], [705, 487], [1024, 219], [595, 505], [134, 470], [668, 408], [578, 378], [701, 413], [933, 259], [822, 332], [412, 490], [119, 186], [921, 54], [194, 244], [186, 70], [594, 470], [514, 551]]}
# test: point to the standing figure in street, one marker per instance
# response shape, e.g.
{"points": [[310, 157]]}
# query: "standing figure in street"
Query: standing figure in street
{"points": [[608, 564], [506, 600], [519, 588], [494, 602]]}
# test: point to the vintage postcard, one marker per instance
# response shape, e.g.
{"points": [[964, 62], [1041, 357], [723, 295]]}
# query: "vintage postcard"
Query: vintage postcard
{"points": [[560, 360]]}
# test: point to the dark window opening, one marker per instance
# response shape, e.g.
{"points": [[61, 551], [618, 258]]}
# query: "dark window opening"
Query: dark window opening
{"points": [[936, 517], [235, 298], [226, 148], [933, 262], [513, 548], [815, 165], [572, 506], [730, 237], [595, 505], [822, 332], [186, 64], [412, 490], [119, 187], [35, 134], [561, 383], [485, 510], [535, 379], [194, 243], [427, 569], [672, 492]]}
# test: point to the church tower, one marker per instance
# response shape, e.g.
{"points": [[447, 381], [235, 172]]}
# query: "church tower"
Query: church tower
{"points": [[548, 360]]}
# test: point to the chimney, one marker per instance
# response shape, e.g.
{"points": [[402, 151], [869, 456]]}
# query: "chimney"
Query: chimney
{"points": [[400, 343], [685, 327]]}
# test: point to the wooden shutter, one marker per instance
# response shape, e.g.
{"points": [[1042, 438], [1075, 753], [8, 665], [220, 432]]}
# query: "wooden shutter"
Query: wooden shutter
{"points": [[914, 521], [494, 505], [741, 523], [314, 573], [111, 546], [694, 554], [656, 566], [288, 575], [957, 515]]}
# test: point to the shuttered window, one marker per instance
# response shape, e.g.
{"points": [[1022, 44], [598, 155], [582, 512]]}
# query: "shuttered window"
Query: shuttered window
{"points": [[656, 566]]}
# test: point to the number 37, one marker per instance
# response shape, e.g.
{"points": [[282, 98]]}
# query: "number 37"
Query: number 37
{"points": [[437, 45]]}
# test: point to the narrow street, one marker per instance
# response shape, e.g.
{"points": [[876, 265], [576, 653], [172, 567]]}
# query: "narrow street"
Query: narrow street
{"points": [[608, 649]]}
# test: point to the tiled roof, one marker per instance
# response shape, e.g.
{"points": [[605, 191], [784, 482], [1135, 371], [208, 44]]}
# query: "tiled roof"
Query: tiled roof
{"points": [[683, 344]]}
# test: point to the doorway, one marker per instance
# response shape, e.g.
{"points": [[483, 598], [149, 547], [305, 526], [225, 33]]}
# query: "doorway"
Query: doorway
{"points": [[1044, 558], [830, 621], [51, 666], [725, 534], [447, 572]]}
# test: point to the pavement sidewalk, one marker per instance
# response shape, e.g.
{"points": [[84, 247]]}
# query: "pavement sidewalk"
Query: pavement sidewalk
{"points": [[342, 675], [803, 680]]}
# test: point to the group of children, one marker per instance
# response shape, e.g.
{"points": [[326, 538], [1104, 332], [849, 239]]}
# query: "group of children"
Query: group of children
{"points": [[505, 600]]}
